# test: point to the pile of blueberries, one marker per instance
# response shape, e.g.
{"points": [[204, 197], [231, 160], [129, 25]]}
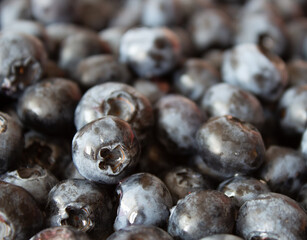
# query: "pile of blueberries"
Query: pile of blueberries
{"points": [[153, 119]]}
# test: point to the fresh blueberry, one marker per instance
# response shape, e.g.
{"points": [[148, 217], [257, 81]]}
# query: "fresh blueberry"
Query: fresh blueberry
{"points": [[144, 200], [20, 216], [100, 69], [105, 150], [81, 204], [181, 181], [194, 79], [60, 233], [49, 105], [242, 188], [272, 216], [284, 170], [116, 99], [11, 143], [256, 70], [22, 62], [177, 121], [225, 99], [230, 146], [293, 110], [201, 214], [150, 52], [36, 180], [143, 232]]}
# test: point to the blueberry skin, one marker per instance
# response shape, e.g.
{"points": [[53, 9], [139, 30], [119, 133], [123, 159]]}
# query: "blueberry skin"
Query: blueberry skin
{"points": [[201, 214], [105, 150], [150, 52], [303, 146], [49, 105], [209, 28], [194, 79], [11, 142], [16, 204], [181, 181], [255, 70], [81, 204], [230, 146], [242, 188], [51, 153], [60, 233], [177, 121], [222, 237], [284, 170], [140, 232], [100, 69], [293, 111], [272, 216], [116, 99], [225, 99], [22, 62], [36, 180], [144, 200]]}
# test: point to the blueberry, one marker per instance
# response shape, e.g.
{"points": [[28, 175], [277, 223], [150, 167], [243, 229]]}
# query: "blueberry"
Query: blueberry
{"points": [[81, 204], [253, 69], [50, 11], [194, 79], [100, 69], [11, 143], [293, 110], [78, 46], [140, 232], [49, 106], [116, 99], [150, 52], [284, 170], [242, 188], [36, 180], [225, 99], [230, 146], [201, 214], [210, 27], [177, 121], [149, 89], [222, 237], [105, 150], [272, 216], [144, 200], [60, 233], [181, 181], [22, 59], [51, 153], [20, 215]]}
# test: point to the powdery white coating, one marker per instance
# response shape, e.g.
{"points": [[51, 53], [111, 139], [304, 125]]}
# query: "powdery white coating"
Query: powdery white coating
{"points": [[210, 27], [242, 189], [178, 119], [274, 216], [37, 181], [230, 146], [284, 170], [200, 214], [93, 102], [144, 200], [247, 67], [141, 232], [150, 52], [293, 108], [225, 99], [105, 150]]}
